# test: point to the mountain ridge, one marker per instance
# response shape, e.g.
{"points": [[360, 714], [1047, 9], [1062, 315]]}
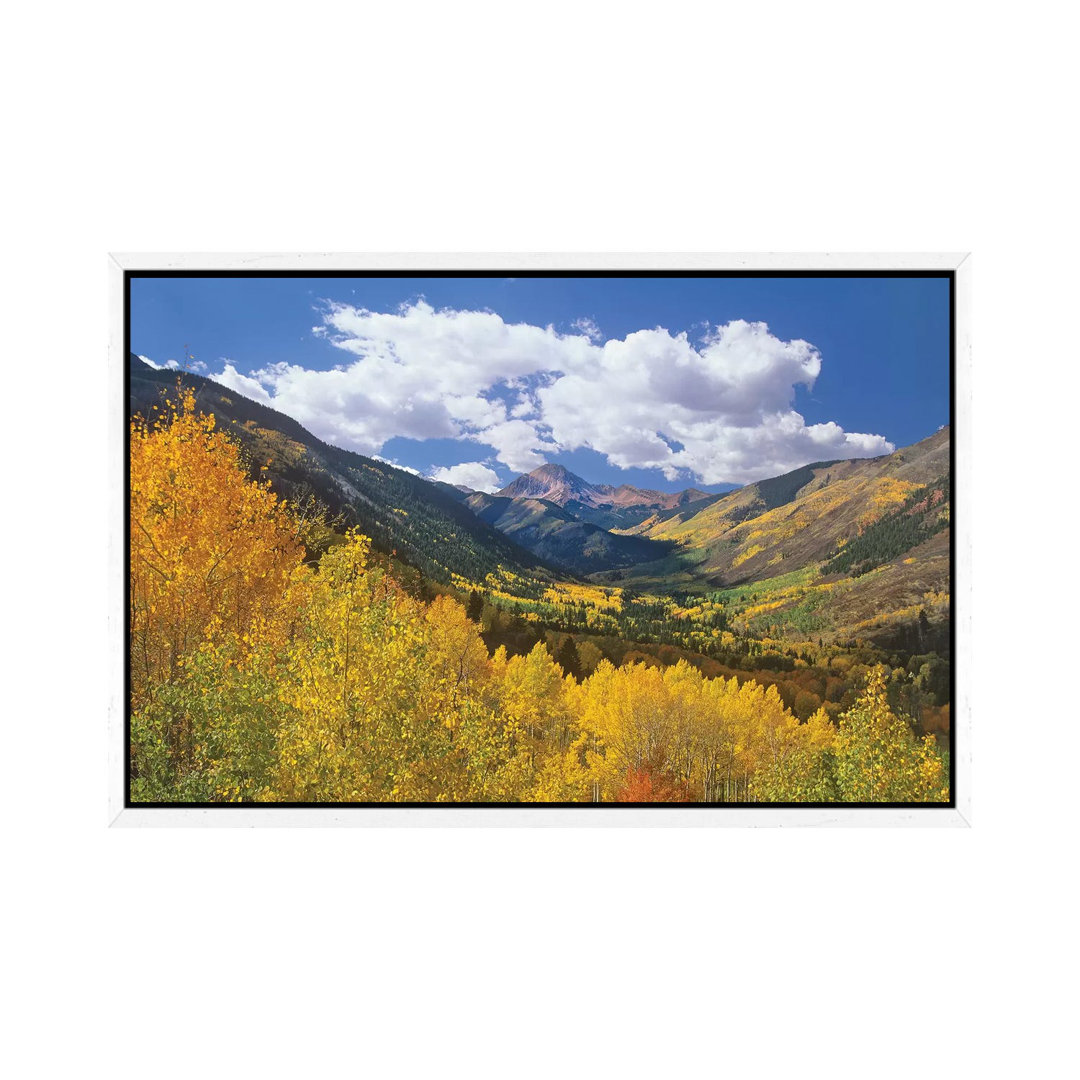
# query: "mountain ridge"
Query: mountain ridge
{"points": [[556, 535], [557, 484], [425, 522]]}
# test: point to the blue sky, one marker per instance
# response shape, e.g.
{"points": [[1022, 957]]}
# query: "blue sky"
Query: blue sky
{"points": [[477, 379]]}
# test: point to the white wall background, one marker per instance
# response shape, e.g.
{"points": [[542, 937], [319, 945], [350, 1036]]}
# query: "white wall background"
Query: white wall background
{"points": [[563, 126]]}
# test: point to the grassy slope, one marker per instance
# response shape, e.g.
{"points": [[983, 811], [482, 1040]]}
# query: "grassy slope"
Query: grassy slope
{"points": [[792, 521], [768, 542]]}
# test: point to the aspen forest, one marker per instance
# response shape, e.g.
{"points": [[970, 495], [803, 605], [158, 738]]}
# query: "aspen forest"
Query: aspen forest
{"points": [[279, 655]]}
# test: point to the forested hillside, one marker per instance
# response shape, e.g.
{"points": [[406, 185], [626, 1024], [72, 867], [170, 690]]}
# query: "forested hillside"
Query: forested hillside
{"points": [[555, 535], [423, 522], [843, 550], [805, 516]]}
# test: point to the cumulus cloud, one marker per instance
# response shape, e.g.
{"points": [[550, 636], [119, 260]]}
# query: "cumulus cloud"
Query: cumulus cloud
{"points": [[245, 385], [719, 411], [473, 474], [519, 444], [715, 409]]}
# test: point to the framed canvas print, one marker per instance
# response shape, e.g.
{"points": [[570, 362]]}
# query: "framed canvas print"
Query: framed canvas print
{"points": [[539, 540]]}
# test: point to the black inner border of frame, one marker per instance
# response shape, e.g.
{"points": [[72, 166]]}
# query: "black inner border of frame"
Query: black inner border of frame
{"points": [[950, 275]]}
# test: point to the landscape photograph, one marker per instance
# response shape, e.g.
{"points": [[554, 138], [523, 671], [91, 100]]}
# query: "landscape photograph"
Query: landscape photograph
{"points": [[539, 539]]}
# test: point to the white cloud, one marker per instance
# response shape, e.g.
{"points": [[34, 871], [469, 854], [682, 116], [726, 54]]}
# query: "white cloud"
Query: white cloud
{"points": [[242, 384], [587, 327], [715, 410], [473, 474], [726, 402], [525, 406], [518, 444]]}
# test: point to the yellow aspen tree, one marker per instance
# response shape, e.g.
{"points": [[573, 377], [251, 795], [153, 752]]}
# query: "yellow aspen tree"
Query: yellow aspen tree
{"points": [[805, 772], [357, 729], [389, 700], [878, 757], [212, 557], [626, 714], [211, 551], [456, 653]]}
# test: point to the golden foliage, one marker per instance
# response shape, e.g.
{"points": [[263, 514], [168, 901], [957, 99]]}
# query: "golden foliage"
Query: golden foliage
{"points": [[258, 678], [749, 553], [211, 552]]}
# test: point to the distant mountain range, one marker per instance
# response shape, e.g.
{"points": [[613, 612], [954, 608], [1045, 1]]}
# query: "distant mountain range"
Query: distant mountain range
{"points": [[558, 485], [599, 504], [553, 533]]}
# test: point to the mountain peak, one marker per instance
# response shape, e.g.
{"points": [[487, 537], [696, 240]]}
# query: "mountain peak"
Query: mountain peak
{"points": [[557, 484], [551, 471]]}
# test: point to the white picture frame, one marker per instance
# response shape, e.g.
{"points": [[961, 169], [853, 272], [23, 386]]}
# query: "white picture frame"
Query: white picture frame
{"points": [[719, 815]]}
